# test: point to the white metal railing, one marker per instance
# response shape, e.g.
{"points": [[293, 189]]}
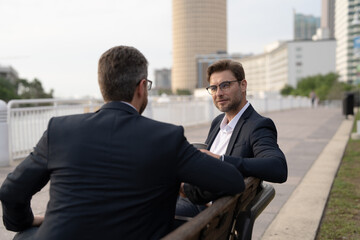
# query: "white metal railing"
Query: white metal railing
{"points": [[28, 119], [181, 110]]}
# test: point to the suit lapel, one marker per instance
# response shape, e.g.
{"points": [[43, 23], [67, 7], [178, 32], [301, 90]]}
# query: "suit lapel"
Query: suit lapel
{"points": [[213, 133], [237, 129]]}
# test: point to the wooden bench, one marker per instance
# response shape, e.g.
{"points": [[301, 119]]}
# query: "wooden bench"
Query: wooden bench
{"points": [[230, 217]]}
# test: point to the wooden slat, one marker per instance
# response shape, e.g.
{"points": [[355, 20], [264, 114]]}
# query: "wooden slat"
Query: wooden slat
{"points": [[216, 221]]}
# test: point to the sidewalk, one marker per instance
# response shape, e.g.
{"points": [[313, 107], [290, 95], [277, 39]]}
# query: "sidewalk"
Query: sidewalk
{"points": [[301, 215], [303, 134]]}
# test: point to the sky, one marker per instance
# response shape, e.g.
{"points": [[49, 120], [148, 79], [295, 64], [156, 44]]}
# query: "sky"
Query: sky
{"points": [[60, 42]]}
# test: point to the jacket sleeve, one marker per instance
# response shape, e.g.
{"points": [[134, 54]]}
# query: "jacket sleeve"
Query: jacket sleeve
{"points": [[199, 196], [268, 162], [16, 192]]}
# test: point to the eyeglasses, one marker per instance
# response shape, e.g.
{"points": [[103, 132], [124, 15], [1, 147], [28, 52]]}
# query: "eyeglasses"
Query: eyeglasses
{"points": [[224, 86], [149, 84]]}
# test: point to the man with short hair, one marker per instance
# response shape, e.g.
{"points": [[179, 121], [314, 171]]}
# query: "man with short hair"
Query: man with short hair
{"points": [[239, 136], [113, 174]]}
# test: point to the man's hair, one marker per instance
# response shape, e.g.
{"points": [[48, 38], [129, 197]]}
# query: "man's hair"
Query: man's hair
{"points": [[120, 69], [222, 65]]}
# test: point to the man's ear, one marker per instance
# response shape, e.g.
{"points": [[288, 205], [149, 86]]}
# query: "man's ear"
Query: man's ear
{"points": [[140, 89], [243, 85]]}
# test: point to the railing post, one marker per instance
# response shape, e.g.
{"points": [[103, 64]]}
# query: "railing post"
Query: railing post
{"points": [[149, 108], [266, 101], [4, 141], [211, 115]]}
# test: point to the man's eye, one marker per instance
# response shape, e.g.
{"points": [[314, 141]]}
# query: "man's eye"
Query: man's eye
{"points": [[224, 85], [213, 89]]}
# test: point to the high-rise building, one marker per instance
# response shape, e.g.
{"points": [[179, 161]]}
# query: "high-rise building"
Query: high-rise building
{"points": [[347, 34], [199, 27], [326, 30], [305, 26], [163, 78], [328, 16]]}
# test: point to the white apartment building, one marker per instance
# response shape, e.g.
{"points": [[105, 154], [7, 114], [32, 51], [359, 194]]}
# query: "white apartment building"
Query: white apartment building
{"points": [[347, 29], [287, 62]]}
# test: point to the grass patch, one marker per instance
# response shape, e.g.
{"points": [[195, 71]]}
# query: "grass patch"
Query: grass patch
{"points": [[341, 219]]}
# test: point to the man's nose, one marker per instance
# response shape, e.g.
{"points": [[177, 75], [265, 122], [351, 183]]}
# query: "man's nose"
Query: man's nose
{"points": [[219, 91]]}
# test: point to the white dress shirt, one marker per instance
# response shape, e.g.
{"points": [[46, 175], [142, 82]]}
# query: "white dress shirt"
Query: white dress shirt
{"points": [[222, 139], [129, 105]]}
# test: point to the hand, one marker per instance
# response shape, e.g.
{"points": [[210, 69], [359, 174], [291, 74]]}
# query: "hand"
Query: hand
{"points": [[181, 191], [210, 153], [208, 204], [37, 220]]}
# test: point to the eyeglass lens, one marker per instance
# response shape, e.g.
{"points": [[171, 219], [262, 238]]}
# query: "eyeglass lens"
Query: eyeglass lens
{"points": [[223, 87]]}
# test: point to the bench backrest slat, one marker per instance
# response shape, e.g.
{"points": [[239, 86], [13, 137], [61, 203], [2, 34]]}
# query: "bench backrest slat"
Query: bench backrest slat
{"points": [[218, 220]]}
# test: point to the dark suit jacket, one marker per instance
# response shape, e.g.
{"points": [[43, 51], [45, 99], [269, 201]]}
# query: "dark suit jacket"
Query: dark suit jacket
{"points": [[252, 148], [114, 174]]}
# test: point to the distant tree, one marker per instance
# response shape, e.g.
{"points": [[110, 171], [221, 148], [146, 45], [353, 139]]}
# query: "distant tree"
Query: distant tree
{"points": [[325, 86], [33, 89], [183, 92], [22, 89], [321, 84], [287, 90], [7, 90], [166, 91]]}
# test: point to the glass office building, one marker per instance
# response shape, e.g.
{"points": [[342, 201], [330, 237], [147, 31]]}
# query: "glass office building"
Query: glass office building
{"points": [[305, 26]]}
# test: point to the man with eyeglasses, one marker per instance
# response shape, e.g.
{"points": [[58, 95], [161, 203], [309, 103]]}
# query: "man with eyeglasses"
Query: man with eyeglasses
{"points": [[113, 174], [239, 136]]}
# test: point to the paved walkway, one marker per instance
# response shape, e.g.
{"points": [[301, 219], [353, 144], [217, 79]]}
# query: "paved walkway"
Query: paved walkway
{"points": [[303, 134]]}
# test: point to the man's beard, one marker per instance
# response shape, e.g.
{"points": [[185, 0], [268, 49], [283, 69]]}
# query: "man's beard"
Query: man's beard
{"points": [[233, 106]]}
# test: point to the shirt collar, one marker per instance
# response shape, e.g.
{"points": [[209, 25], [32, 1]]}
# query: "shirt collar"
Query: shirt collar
{"points": [[129, 105], [225, 126]]}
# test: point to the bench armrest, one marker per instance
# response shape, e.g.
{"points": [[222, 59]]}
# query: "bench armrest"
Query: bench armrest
{"points": [[244, 223]]}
